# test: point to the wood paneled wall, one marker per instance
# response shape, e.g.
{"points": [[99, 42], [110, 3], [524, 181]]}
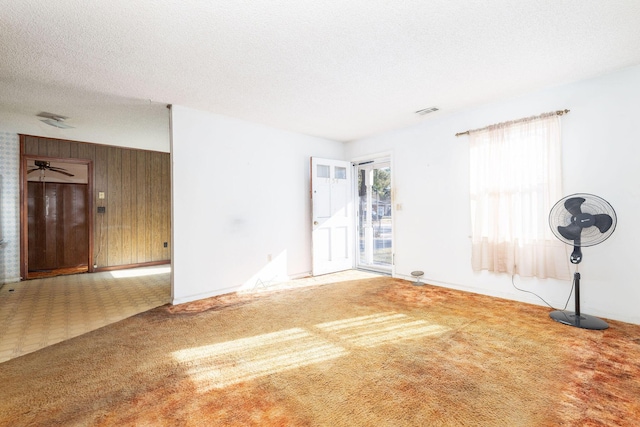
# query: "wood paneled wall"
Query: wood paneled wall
{"points": [[137, 189]]}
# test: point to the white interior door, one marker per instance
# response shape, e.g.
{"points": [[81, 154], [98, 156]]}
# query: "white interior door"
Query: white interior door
{"points": [[332, 212]]}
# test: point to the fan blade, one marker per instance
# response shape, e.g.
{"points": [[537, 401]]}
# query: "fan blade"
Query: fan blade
{"points": [[33, 170], [573, 205], [603, 222], [570, 232], [57, 169], [62, 171]]}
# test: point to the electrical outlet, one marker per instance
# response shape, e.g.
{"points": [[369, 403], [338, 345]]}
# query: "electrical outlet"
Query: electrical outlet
{"points": [[166, 244], [102, 209]]}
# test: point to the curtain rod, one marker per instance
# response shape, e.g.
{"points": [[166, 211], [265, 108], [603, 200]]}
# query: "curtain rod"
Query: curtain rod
{"points": [[557, 113]]}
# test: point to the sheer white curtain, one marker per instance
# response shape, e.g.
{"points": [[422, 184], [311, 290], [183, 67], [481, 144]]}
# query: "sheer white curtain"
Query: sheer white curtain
{"points": [[515, 180]]}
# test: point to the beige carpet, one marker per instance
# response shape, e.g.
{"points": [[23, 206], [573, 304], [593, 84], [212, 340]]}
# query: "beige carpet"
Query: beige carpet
{"points": [[377, 352]]}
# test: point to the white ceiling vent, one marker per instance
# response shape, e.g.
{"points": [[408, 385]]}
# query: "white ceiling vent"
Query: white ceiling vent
{"points": [[427, 111]]}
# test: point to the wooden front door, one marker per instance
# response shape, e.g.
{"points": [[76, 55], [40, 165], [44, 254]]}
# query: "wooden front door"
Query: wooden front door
{"points": [[58, 228]]}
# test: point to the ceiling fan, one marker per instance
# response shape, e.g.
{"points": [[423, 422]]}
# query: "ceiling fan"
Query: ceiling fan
{"points": [[43, 165]]}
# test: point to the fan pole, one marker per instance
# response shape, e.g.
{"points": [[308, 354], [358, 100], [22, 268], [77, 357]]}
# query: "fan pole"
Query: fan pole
{"points": [[575, 318], [576, 280]]}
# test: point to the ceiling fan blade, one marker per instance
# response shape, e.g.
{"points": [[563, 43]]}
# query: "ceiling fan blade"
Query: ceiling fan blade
{"points": [[33, 170], [570, 232], [57, 169], [573, 205], [603, 222], [62, 171]]}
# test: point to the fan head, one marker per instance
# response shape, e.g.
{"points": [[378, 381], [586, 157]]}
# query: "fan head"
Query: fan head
{"points": [[582, 220]]}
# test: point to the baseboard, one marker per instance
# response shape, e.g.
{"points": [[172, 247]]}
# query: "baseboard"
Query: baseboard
{"points": [[231, 289], [127, 266], [474, 290], [195, 297], [10, 281]]}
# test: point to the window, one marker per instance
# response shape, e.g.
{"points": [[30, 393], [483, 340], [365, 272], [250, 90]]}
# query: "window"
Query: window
{"points": [[515, 171], [323, 171]]}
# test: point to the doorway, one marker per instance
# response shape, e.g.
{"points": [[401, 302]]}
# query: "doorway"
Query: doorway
{"points": [[374, 216], [56, 225]]}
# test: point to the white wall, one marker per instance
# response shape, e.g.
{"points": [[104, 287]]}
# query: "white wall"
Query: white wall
{"points": [[600, 156], [240, 194]]}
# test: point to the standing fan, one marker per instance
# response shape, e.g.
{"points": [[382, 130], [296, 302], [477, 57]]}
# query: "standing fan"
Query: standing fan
{"points": [[581, 220]]}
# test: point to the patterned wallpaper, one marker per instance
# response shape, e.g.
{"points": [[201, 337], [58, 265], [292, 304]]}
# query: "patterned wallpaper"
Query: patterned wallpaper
{"points": [[9, 208]]}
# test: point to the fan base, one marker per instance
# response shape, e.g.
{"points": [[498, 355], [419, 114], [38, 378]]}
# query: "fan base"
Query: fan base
{"points": [[583, 321]]}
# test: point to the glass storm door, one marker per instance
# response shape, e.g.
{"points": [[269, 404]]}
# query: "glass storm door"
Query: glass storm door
{"points": [[374, 225]]}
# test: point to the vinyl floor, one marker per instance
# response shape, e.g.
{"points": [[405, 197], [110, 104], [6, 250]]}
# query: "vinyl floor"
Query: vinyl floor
{"points": [[41, 312]]}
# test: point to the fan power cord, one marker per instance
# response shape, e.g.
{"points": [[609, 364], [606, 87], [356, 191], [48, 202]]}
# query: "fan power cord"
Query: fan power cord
{"points": [[573, 283]]}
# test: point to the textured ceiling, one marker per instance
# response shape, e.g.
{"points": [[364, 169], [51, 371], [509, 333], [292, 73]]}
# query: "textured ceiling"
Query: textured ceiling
{"points": [[340, 69]]}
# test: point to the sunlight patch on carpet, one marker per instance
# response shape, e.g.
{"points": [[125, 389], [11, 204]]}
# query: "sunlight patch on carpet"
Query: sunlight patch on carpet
{"points": [[232, 362], [382, 328], [223, 364], [139, 272]]}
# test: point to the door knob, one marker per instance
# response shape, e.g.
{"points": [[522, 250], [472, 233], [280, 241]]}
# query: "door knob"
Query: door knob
{"points": [[315, 222]]}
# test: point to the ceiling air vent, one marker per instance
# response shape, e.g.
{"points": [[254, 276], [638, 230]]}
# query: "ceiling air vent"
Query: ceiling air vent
{"points": [[427, 111]]}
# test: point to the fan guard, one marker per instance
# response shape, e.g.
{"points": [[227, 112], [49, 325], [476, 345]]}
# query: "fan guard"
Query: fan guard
{"points": [[567, 213]]}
